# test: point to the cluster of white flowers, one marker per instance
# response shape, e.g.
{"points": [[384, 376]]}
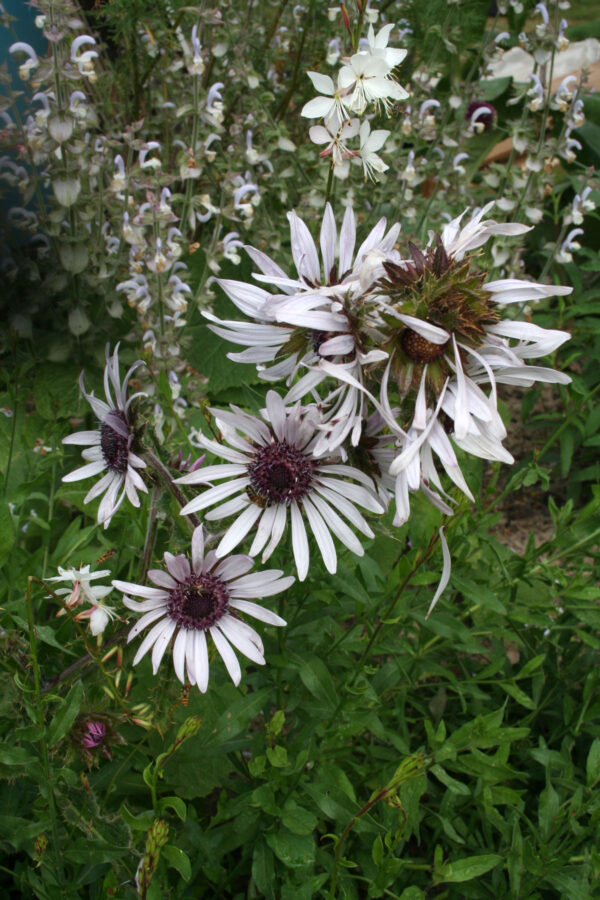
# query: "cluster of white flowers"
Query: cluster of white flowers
{"points": [[365, 81]]}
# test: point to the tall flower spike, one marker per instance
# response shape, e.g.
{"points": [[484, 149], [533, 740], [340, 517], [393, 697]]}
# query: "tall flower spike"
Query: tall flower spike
{"points": [[270, 471], [198, 598], [109, 446]]}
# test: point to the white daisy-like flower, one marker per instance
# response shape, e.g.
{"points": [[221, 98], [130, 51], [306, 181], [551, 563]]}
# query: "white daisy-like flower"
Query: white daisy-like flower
{"points": [[271, 471], [451, 335], [109, 446], [203, 596], [315, 317]]}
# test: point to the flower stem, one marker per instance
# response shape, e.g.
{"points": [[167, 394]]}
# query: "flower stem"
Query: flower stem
{"points": [[39, 709], [165, 477], [329, 190]]}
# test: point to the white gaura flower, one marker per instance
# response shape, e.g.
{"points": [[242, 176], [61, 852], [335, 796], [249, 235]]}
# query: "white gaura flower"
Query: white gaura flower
{"points": [[81, 591], [315, 317], [109, 446], [334, 135], [271, 471], [366, 79], [370, 143], [378, 47], [199, 597], [331, 105]]}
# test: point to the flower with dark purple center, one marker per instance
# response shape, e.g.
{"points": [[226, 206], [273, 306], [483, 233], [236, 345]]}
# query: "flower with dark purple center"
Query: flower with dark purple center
{"points": [[276, 477], [108, 448], [199, 597]]}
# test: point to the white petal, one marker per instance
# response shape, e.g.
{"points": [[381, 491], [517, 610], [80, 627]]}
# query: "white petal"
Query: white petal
{"points": [[146, 620], [227, 655], [276, 413], [100, 486], [201, 667], [93, 468], [210, 473], [233, 567], [82, 437], [139, 590], [264, 530], [229, 627], [430, 332], [338, 526], [162, 579], [322, 83], [347, 509], [299, 541], [277, 530], [239, 529], [179, 653], [161, 644], [178, 566], [214, 495], [150, 638], [228, 509], [197, 548], [445, 573], [259, 612], [328, 240]]}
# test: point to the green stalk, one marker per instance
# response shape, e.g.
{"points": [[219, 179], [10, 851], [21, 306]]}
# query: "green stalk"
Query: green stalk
{"points": [[48, 778], [164, 477], [294, 79]]}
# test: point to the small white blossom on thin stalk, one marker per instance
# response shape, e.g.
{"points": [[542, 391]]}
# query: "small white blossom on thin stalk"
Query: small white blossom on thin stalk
{"points": [[331, 104], [81, 591], [199, 597], [271, 470], [370, 143], [109, 446], [335, 134], [366, 79]]}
